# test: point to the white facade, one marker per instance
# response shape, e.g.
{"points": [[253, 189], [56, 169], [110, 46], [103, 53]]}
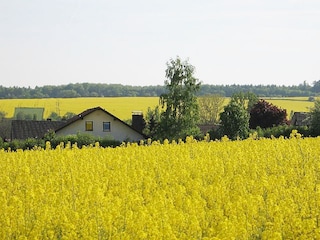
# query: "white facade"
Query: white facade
{"points": [[118, 129]]}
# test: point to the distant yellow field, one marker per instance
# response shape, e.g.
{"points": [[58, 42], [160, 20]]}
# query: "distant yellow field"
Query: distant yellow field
{"points": [[292, 104], [123, 107], [296, 104]]}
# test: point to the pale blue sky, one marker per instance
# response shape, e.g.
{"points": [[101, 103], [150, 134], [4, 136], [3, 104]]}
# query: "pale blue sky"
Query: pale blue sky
{"points": [[54, 42]]}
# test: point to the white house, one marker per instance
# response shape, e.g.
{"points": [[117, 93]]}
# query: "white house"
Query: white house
{"points": [[99, 122]]}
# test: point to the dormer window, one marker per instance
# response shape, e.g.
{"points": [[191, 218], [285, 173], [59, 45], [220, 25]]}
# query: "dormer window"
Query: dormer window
{"points": [[89, 126]]}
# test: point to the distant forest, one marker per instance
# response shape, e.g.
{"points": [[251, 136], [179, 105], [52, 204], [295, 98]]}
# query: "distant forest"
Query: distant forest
{"points": [[118, 90]]}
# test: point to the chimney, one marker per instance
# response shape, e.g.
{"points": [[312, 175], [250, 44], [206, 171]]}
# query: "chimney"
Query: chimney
{"points": [[138, 121]]}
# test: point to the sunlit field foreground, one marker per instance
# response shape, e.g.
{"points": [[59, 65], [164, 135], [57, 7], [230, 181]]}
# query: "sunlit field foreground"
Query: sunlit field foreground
{"points": [[250, 189]]}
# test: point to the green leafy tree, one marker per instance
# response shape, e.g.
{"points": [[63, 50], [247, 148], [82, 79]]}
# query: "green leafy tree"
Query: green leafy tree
{"points": [[54, 116], [247, 100], [316, 86], [234, 121], [181, 110], [68, 115], [315, 118], [152, 120], [210, 107], [68, 93]]}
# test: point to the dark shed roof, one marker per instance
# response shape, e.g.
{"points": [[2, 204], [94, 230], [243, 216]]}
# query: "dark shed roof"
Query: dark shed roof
{"points": [[300, 119], [23, 129]]}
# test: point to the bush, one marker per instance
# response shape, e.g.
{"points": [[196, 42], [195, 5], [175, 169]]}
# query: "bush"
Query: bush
{"points": [[15, 145], [234, 121], [277, 131], [265, 115], [79, 139], [85, 139], [31, 143], [108, 142], [281, 130], [215, 134], [57, 140]]}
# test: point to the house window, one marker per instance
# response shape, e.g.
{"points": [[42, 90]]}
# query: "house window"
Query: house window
{"points": [[89, 125], [106, 127]]}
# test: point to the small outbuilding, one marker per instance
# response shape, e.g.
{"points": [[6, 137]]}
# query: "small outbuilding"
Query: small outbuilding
{"points": [[300, 119]]}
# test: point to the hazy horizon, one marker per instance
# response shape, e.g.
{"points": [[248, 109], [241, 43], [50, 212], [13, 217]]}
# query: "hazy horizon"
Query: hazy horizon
{"points": [[123, 42], [149, 85]]}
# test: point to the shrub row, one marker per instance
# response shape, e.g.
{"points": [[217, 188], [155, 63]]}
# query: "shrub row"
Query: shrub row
{"points": [[80, 139], [281, 130]]}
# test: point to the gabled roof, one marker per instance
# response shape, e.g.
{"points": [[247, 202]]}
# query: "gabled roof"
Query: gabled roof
{"points": [[23, 129], [89, 111], [300, 119]]}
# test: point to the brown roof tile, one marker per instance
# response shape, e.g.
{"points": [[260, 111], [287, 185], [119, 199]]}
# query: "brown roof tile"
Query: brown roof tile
{"points": [[23, 129]]}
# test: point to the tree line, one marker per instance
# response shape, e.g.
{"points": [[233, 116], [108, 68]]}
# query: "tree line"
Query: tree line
{"points": [[119, 90]]}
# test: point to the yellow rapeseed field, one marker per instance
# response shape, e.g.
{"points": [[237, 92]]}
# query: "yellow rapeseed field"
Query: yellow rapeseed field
{"points": [[296, 104], [122, 107], [250, 189]]}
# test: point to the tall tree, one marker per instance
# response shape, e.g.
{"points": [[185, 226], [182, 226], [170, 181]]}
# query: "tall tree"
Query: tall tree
{"points": [[247, 100], [234, 121], [210, 107], [181, 111]]}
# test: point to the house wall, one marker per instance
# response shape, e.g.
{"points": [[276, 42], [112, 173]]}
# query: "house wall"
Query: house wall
{"points": [[118, 130]]}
